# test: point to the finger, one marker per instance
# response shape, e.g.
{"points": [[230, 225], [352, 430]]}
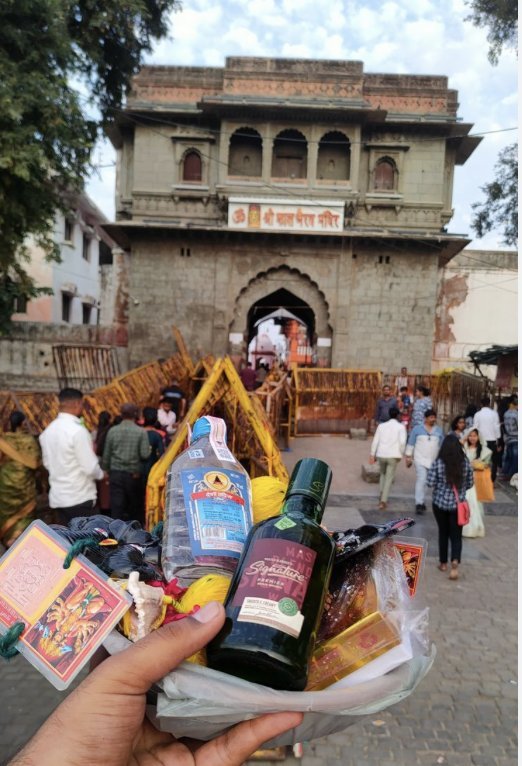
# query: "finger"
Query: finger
{"points": [[238, 743], [99, 656], [145, 662]]}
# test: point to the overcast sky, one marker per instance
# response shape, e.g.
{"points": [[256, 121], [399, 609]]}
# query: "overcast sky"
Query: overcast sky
{"points": [[410, 37]]}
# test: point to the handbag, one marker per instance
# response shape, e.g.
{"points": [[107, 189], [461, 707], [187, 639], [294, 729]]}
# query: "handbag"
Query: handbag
{"points": [[463, 511], [484, 485]]}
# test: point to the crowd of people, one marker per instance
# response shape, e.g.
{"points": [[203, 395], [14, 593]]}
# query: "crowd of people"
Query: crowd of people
{"points": [[107, 470], [462, 466], [103, 471]]}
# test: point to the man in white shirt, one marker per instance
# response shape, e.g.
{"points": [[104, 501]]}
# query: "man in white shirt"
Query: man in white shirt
{"points": [[388, 447], [487, 422], [69, 457], [167, 417], [422, 449]]}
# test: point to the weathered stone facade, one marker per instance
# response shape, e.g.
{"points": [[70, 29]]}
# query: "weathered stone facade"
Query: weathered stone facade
{"points": [[310, 184], [477, 306]]}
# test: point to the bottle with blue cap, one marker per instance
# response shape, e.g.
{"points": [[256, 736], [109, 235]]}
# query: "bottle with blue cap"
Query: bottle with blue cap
{"points": [[208, 506]]}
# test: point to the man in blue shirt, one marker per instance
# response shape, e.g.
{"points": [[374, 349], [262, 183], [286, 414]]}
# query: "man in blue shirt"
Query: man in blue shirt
{"points": [[384, 405], [422, 449]]}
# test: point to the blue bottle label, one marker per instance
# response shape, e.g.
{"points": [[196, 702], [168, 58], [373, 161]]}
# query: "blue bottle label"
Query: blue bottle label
{"points": [[217, 504]]}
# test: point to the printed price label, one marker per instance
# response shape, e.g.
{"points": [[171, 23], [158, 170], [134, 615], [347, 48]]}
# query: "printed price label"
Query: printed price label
{"points": [[218, 511]]}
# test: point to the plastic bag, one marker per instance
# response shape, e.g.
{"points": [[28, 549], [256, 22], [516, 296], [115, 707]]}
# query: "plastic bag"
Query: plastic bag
{"points": [[201, 703], [484, 486], [198, 702]]}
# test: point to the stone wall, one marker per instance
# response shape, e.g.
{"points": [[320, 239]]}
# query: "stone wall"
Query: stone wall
{"points": [[26, 357], [376, 302]]}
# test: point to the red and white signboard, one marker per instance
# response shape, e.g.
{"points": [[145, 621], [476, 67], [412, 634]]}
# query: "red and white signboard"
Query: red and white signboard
{"points": [[319, 216]]}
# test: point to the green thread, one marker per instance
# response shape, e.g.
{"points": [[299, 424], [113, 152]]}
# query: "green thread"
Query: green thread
{"points": [[78, 547], [9, 639], [158, 530]]}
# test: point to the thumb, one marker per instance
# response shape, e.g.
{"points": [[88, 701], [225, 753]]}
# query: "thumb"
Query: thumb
{"points": [[135, 669]]}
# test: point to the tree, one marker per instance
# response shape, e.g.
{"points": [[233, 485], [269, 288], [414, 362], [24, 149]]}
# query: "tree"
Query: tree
{"points": [[46, 139], [500, 17], [500, 210]]}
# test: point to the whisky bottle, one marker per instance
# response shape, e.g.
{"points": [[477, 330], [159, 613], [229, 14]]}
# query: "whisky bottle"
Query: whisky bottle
{"points": [[276, 596]]}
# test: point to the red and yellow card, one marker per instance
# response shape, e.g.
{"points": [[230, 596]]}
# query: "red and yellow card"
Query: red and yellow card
{"points": [[413, 553], [67, 613]]}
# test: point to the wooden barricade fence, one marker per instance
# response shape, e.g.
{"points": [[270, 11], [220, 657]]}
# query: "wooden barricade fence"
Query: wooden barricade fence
{"points": [[333, 400], [141, 386], [453, 390]]}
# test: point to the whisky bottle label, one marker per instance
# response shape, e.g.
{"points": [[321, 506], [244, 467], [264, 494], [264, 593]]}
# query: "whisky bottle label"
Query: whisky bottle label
{"points": [[218, 512], [273, 584]]}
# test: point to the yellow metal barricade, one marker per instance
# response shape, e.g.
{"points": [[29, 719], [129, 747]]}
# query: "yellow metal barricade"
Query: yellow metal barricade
{"points": [[250, 435]]}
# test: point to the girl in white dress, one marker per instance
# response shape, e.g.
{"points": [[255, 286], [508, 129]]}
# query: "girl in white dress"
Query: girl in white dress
{"points": [[479, 455]]}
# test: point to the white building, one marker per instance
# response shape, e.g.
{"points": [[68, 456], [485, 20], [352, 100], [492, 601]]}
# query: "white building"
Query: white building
{"points": [[477, 306], [75, 280]]}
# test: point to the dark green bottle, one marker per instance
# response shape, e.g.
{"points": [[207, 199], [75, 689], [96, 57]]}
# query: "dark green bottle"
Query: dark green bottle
{"points": [[276, 597]]}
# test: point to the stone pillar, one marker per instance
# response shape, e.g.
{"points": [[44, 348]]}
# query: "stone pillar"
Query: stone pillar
{"points": [[114, 299], [311, 170], [268, 145]]}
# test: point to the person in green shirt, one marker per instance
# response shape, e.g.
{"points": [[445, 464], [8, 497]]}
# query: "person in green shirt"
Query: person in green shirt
{"points": [[126, 448]]}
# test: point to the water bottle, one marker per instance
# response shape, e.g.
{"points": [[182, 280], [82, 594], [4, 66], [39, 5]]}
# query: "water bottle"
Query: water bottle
{"points": [[208, 507]]}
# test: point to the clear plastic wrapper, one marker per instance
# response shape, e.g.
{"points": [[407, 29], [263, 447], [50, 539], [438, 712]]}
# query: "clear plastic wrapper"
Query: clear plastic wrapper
{"points": [[198, 702]]}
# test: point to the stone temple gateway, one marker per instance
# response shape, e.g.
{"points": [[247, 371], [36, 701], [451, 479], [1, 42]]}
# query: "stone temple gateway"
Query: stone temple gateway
{"points": [[303, 185]]}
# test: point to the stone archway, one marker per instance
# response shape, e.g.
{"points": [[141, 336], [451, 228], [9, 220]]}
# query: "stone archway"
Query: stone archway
{"points": [[303, 298]]}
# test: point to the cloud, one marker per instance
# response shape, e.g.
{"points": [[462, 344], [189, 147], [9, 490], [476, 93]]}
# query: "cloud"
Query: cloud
{"points": [[410, 36]]}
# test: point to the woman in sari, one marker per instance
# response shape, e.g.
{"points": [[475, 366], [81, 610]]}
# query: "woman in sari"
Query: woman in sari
{"points": [[479, 455], [19, 459]]}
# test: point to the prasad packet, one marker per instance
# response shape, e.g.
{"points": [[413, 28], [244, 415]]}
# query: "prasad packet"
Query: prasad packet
{"points": [[67, 613]]}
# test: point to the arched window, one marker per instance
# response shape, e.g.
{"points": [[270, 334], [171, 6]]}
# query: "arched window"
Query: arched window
{"points": [[192, 166], [385, 175], [333, 157], [289, 156], [245, 154]]}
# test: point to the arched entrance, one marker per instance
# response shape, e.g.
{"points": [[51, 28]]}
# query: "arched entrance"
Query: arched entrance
{"points": [[287, 313]]}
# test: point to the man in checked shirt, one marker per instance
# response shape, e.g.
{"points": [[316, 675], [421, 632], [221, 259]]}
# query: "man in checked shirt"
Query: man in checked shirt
{"points": [[126, 447]]}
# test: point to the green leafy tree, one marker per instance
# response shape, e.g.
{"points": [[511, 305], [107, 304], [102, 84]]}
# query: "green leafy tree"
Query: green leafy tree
{"points": [[500, 17], [46, 139], [500, 208]]}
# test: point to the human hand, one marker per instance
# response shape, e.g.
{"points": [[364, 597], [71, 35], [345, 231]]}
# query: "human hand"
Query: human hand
{"points": [[103, 720], [371, 460], [409, 462]]}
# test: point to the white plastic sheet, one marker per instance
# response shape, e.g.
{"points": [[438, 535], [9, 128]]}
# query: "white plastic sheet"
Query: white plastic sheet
{"points": [[199, 702]]}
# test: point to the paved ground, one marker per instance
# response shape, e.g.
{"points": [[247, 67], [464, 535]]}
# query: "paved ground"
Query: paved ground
{"points": [[462, 714]]}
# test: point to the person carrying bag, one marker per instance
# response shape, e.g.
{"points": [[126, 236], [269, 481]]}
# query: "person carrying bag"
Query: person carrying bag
{"points": [[479, 455], [450, 476]]}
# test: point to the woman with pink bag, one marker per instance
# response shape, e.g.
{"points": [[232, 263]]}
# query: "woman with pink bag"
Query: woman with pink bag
{"points": [[450, 476]]}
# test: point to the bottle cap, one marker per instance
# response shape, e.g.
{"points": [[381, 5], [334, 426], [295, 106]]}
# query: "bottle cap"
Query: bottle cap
{"points": [[201, 428], [310, 477]]}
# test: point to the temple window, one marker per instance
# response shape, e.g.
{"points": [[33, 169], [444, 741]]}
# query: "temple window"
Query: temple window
{"points": [[245, 153], [192, 166], [289, 155], [385, 175], [333, 157]]}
